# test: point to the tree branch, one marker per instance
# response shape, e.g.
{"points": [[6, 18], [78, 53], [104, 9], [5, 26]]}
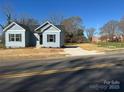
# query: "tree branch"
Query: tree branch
{"points": [[1, 26]]}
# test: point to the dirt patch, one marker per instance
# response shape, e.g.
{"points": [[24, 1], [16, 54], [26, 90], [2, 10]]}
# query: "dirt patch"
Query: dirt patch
{"points": [[80, 52]]}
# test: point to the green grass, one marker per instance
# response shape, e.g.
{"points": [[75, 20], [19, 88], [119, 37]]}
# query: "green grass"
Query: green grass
{"points": [[111, 45]]}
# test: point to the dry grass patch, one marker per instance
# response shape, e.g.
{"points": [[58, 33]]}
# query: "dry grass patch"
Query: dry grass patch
{"points": [[95, 47], [102, 65], [31, 53], [92, 47]]}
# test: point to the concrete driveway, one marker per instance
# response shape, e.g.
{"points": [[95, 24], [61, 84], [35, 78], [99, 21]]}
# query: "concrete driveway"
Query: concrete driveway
{"points": [[77, 51]]}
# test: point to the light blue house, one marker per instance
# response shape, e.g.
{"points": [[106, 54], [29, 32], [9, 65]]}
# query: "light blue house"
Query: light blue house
{"points": [[46, 35]]}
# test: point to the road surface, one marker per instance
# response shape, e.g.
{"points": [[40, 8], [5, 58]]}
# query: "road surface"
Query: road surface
{"points": [[90, 73]]}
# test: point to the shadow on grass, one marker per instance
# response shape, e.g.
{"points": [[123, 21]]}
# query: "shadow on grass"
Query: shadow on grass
{"points": [[70, 46]]}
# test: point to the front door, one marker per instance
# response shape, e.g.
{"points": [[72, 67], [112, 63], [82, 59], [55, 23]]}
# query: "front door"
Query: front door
{"points": [[41, 40]]}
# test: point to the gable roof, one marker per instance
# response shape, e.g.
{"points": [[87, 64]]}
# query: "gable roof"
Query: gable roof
{"points": [[34, 28], [27, 28], [11, 25], [46, 26], [60, 27]]}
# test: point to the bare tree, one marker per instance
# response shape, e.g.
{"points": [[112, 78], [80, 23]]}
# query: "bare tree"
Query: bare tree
{"points": [[27, 20], [90, 33], [55, 19], [121, 25], [110, 29], [72, 24], [8, 13], [73, 29], [1, 26]]}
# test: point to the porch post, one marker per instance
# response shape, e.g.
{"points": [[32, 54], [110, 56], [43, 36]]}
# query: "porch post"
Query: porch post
{"points": [[38, 39]]}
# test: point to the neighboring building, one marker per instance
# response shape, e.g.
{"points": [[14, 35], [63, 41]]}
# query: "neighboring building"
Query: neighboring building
{"points": [[95, 39], [122, 38], [46, 35], [114, 38]]}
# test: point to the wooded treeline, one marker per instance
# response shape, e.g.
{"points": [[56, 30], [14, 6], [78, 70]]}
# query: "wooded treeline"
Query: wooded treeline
{"points": [[113, 31], [74, 28]]}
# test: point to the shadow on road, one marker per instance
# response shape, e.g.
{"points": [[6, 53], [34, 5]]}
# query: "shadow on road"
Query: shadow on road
{"points": [[91, 78]]}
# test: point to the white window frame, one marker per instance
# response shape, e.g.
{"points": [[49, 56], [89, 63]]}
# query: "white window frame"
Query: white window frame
{"points": [[51, 38], [15, 37], [18, 37], [11, 37]]}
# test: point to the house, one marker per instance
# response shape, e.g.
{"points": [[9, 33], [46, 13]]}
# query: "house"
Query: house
{"points": [[45, 35], [49, 35]]}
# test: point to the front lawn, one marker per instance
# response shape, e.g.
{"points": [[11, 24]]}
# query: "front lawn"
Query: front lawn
{"points": [[100, 47], [111, 45], [31, 53], [1, 45], [92, 47]]}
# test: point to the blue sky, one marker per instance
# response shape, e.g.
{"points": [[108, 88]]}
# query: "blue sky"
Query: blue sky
{"points": [[93, 12]]}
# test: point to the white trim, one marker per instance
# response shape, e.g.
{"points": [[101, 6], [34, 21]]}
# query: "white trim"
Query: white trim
{"points": [[49, 38], [15, 37], [55, 27], [11, 25], [18, 30], [48, 23], [42, 25]]}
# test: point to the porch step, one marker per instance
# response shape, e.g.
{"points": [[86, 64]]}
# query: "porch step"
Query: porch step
{"points": [[39, 46]]}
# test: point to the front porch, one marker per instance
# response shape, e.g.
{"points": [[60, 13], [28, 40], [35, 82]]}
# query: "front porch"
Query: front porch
{"points": [[39, 39]]}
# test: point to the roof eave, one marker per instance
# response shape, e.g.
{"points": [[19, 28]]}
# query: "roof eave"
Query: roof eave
{"points": [[11, 25]]}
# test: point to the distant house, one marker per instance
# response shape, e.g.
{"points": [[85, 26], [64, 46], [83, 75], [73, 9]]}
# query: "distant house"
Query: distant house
{"points": [[46, 35], [114, 38], [95, 39]]}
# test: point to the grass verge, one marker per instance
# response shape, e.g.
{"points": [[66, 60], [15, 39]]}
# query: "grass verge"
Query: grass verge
{"points": [[100, 47]]}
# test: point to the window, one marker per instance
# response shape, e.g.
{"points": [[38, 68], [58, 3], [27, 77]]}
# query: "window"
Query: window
{"points": [[18, 37], [11, 37], [15, 37], [51, 38]]}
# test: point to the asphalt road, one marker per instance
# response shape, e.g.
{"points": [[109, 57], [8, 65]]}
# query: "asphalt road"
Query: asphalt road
{"points": [[93, 73]]}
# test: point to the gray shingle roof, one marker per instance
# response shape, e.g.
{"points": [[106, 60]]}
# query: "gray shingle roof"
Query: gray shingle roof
{"points": [[29, 28], [33, 27]]}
